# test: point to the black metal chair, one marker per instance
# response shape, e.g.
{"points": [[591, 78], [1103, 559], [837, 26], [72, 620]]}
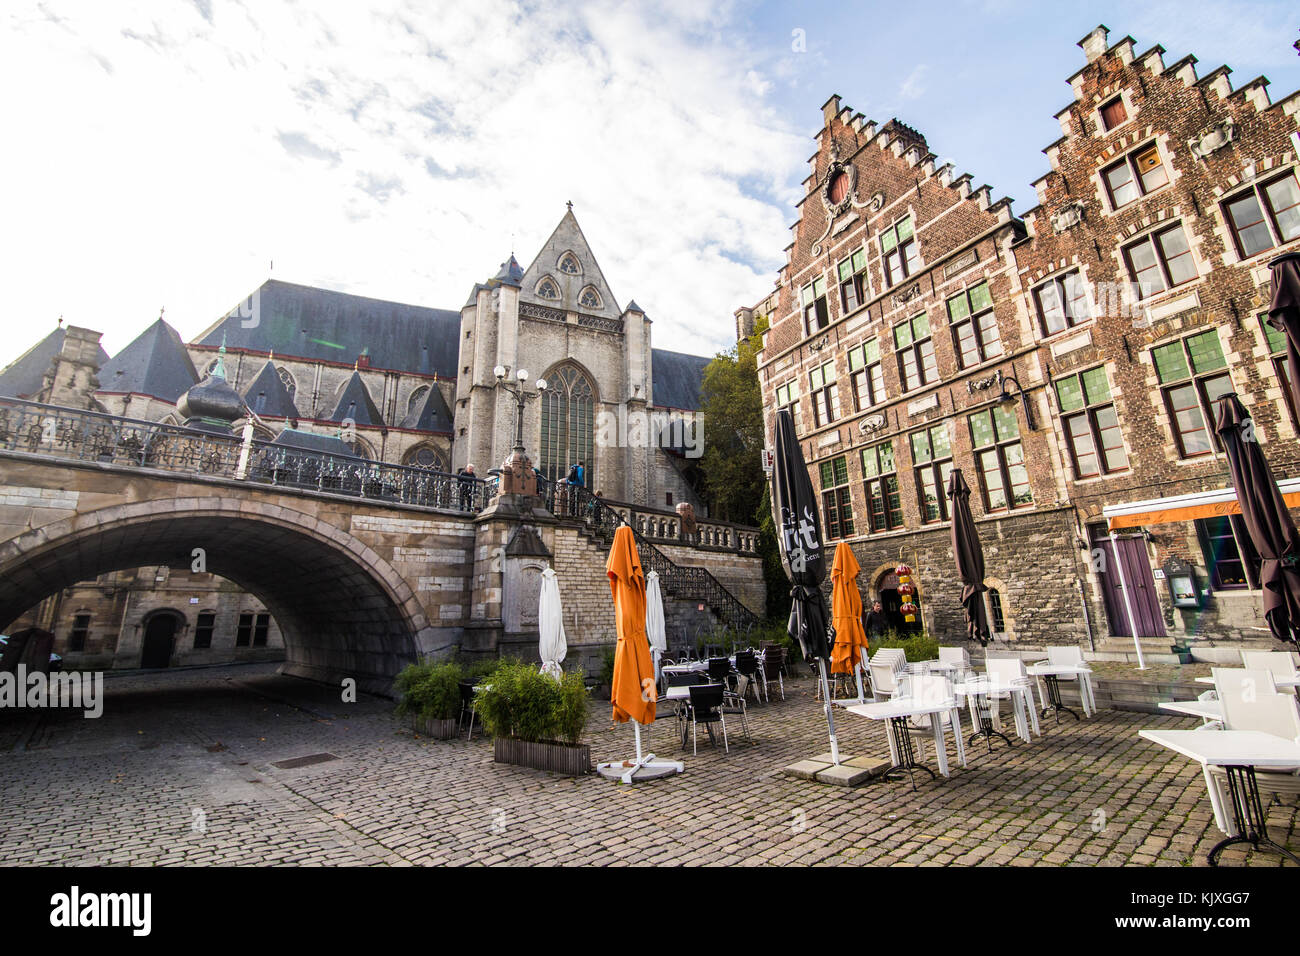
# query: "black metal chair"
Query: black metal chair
{"points": [[706, 708], [747, 667], [719, 670], [773, 664]]}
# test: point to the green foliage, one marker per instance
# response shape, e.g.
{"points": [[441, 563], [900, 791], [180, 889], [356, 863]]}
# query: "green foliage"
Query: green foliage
{"points": [[479, 670], [918, 646], [429, 690], [733, 430], [521, 702], [607, 665]]}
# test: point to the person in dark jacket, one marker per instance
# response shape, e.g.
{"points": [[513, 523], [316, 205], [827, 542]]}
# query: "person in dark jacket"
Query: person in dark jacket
{"points": [[875, 623], [466, 478]]}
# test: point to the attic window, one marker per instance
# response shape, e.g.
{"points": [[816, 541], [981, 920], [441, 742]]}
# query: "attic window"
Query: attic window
{"points": [[1113, 113], [590, 298], [547, 289], [569, 263]]}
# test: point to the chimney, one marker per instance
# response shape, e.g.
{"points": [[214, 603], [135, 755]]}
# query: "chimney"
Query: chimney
{"points": [[831, 108]]}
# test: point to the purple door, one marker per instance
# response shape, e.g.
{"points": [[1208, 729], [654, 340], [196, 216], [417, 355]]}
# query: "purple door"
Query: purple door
{"points": [[1142, 586]]}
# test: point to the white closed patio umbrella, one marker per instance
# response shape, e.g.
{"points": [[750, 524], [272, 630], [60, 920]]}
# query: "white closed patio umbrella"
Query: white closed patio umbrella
{"points": [[550, 622], [655, 630]]}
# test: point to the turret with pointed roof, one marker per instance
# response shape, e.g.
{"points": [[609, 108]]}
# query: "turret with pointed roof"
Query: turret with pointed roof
{"points": [[155, 364], [268, 396], [356, 405]]}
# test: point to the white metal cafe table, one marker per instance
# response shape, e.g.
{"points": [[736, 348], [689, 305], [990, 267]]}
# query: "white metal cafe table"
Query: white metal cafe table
{"points": [[898, 712], [1208, 710], [979, 689], [1051, 675], [1238, 752]]}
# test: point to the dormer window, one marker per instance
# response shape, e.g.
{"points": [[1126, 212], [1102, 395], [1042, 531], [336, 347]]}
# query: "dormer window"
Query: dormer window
{"points": [[569, 263], [1113, 113], [589, 298], [547, 289]]}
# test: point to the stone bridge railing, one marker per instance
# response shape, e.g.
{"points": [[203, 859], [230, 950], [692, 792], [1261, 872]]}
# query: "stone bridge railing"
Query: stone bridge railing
{"points": [[656, 524], [91, 436]]}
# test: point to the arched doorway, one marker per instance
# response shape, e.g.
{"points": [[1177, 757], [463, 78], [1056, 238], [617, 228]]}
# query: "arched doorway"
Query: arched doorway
{"points": [[568, 423], [891, 603], [159, 639]]}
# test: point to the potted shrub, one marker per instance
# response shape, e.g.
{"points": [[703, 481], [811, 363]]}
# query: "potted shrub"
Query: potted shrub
{"points": [[430, 696], [535, 720]]}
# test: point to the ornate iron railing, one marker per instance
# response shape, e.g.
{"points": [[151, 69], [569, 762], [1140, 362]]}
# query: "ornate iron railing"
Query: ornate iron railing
{"points": [[691, 583], [92, 436]]}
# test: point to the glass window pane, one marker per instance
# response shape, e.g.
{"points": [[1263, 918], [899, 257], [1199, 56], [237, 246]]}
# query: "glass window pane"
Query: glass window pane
{"points": [[1049, 307], [939, 442], [893, 502], [806, 294], [872, 350], [1284, 199], [870, 467], [1189, 423], [911, 371], [1069, 394], [992, 474], [929, 367], [1085, 452], [1004, 420], [815, 378], [886, 457], [1248, 222], [980, 297], [1170, 362], [989, 335], [1178, 255], [921, 326], [968, 350], [905, 229], [981, 429], [1206, 352], [1112, 440], [920, 448], [1146, 270], [1095, 386], [1276, 340], [1119, 179], [841, 470], [902, 335], [828, 475], [855, 359], [845, 270], [958, 308], [888, 240], [1151, 169]]}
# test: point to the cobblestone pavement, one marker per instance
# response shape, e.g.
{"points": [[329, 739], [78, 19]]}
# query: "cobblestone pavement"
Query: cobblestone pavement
{"points": [[180, 770]]}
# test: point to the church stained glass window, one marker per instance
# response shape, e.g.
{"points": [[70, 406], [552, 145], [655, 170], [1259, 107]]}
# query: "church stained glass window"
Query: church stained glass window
{"points": [[547, 289], [590, 298], [568, 409]]}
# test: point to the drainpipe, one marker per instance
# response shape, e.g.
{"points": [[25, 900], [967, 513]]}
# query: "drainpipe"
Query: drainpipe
{"points": [[1128, 603]]}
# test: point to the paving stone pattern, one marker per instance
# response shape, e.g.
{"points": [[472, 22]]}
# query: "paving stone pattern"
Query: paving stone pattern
{"points": [[179, 771]]}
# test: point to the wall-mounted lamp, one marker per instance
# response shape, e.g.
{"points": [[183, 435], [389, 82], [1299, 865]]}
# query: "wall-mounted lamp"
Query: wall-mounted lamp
{"points": [[1005, 396]]}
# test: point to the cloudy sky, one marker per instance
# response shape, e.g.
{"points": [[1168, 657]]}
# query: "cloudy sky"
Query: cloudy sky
{"points": [[174, 154]]}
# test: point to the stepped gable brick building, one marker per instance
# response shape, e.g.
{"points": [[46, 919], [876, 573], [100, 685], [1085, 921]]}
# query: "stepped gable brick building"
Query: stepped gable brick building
{"points": [[1067, 362]]}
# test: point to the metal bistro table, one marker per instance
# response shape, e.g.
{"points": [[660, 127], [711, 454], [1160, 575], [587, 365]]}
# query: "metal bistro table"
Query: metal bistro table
{"points": [[1051, 675], [898, 712], [979, 691], [1238, 752]]}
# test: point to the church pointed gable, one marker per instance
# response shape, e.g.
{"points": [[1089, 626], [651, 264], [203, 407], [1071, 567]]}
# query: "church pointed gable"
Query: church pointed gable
{"points": [[431, 415], [356, 404], [156, 364], [565, 275], [268, 396]]}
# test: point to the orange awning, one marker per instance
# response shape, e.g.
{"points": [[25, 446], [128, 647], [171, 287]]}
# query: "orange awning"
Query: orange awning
{"points": [[1209, 504]]}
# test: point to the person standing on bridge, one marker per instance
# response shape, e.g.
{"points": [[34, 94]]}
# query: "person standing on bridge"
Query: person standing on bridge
{"points": [[466, 478]]}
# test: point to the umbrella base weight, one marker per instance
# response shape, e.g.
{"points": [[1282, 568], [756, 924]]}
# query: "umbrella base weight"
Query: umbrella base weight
{"points": [[633, 771]]}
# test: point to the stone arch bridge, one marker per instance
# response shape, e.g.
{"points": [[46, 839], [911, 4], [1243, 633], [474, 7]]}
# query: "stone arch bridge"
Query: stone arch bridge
{"points": [[365, 566]]}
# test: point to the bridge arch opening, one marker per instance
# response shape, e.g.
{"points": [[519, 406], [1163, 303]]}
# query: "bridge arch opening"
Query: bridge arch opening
{"points": [[343, 611]]}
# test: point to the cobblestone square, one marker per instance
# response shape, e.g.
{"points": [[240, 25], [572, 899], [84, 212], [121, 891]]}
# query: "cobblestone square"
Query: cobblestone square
{"points": [[180, 770]]}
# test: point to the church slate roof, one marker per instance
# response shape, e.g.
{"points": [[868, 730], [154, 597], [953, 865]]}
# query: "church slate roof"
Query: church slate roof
{"points": [[511, 272], [678, 378], [297, 321], [355, 403], [24, 376], [155, 363], [432, 415], [310, 441], [267, 395], [568, 237]]}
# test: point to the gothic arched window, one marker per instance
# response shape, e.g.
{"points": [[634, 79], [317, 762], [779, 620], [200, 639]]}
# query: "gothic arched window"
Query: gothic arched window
{"points": [[569, 263], [568, 411], [289, 384], [547, 289], [589, 298], [417, 396]]}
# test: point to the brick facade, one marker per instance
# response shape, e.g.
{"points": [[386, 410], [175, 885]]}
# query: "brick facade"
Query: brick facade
{"points": [[997, 366]]}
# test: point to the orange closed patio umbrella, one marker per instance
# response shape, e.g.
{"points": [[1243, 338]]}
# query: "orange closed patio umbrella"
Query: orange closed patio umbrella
{"points": [[846, 615], [633, 693]]}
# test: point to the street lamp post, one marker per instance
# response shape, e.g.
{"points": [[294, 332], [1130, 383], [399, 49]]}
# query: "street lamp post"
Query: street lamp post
{"points": [[517, 475]]}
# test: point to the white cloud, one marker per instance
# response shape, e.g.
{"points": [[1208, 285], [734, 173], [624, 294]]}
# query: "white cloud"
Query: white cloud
{"points": [[912, 88], [165, 156]]}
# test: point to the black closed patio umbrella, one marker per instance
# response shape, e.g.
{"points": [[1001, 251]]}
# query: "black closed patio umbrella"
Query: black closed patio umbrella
{"points": [[969, 556], [794, 511], [1267, 520], [1284, 314]]}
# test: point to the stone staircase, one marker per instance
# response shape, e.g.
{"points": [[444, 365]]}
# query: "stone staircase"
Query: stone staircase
{"points": [[678, 581]]}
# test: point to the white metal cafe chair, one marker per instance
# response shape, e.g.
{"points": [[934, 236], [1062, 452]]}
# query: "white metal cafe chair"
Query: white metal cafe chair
{"points": [[1270, 713], [1071, 656], [1279, 663], [1011, 671]]}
